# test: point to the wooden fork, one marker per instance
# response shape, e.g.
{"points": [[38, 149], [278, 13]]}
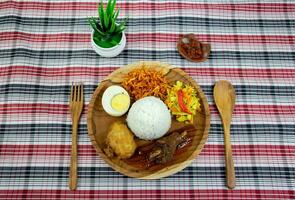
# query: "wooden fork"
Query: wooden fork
{"points": [[76, 106]]}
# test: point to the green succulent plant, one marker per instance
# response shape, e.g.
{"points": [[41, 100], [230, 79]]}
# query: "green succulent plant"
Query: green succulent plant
{"points": [[107, 31]]}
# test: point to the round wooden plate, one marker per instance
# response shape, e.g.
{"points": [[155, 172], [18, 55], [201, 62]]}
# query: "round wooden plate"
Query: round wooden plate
{"points": [[98, 122]]}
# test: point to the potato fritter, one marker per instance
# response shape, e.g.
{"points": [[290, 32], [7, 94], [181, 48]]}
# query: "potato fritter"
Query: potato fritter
{"points": [[120, 140]]}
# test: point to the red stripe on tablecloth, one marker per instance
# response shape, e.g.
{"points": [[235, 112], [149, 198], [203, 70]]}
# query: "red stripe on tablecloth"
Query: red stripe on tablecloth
{"points": [[241, 109], [150, 37], [39, 108], [87, 150], [170, 37], [104, 71], [165, 193], [254, 7], [55, 72]]}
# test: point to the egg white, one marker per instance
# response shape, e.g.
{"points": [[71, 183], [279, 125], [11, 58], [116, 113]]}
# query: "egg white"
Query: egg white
{"points": [[106, 100]]}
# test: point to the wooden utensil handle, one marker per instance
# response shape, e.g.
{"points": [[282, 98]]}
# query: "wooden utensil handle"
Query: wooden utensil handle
{"points": [[74, 156], [230, 169]]}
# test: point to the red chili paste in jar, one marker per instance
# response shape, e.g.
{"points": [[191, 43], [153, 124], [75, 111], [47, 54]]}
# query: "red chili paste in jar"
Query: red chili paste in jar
{"points": [[192, 49]]}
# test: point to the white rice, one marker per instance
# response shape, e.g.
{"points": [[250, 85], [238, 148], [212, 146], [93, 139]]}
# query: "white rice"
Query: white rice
{"points": [[149, 118]]}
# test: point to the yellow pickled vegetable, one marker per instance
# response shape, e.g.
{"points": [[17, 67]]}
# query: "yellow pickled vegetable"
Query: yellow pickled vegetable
{"points": [[183, 102]]}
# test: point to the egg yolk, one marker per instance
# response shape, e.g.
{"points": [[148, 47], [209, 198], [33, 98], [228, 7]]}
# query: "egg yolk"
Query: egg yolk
{"points": [[120, 102]]}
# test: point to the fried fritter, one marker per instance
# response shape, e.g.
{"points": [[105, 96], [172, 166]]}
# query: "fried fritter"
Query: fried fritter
{"points": [[120, 141]]}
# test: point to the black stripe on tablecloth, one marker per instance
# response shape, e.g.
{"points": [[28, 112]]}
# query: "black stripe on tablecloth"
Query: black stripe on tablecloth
{"points": [[236, 129], [242, 172], [173, 20], [241, 90], [141, 54]]}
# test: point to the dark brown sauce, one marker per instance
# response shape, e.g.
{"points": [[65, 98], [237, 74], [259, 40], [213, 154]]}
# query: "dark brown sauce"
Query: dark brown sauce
{"points": [[140, 158]]}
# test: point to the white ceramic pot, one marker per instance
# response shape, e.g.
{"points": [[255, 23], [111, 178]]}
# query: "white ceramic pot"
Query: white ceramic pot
{"points": [[112, 51]]}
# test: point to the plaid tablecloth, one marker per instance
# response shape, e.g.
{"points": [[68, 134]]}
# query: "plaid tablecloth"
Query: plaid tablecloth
{"points": [[45, 45]]}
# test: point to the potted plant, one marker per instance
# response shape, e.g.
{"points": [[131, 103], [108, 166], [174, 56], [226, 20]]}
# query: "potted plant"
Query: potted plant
{"points": [[108, 38]]}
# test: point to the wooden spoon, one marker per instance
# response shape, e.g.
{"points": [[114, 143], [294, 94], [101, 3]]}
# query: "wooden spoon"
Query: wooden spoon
{"points": [[225, 97]]}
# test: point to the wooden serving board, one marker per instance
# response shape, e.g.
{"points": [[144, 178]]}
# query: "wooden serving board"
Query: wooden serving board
{"points": [[98, 122]]}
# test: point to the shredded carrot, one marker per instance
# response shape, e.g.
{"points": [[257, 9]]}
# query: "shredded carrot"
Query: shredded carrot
{"points": [[145, 82]]}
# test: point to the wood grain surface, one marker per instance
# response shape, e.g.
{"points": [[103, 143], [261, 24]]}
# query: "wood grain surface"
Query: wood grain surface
{"points": [[98, 122], [224, 96]]}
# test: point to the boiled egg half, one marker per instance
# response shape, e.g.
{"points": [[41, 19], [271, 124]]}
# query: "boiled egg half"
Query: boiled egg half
{"points": [[115, 101]]}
